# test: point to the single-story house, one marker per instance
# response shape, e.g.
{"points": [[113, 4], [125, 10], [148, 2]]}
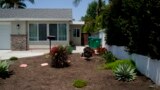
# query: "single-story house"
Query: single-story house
{"points": [[21, 28]]}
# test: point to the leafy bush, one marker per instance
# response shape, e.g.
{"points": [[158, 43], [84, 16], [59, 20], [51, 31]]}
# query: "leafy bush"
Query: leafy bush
{"points": [[80, 83], [109, 57], [69, 49], [125, 72], [101, 50], [113, 65], [134, 24], [13, 58], [87, 52], [4, 65], [59, 57]]}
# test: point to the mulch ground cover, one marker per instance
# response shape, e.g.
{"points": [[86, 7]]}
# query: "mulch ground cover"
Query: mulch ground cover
{"points": [[36, 77]]}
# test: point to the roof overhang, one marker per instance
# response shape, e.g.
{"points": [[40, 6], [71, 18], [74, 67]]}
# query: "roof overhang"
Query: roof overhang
{"points": [[35, 19], [78, 23]]}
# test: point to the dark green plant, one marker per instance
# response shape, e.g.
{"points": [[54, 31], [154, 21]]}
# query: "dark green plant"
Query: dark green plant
{"points": [[113, 65], [4, 68], [80, 83], [125, 72], [13, 58], [109, 57], [87, 52], [134, 24], [59, 57], [69, 49]]}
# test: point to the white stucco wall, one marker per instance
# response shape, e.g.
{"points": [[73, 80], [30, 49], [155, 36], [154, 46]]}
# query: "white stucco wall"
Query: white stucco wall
{"points": [[21, 30], [146, 65]]}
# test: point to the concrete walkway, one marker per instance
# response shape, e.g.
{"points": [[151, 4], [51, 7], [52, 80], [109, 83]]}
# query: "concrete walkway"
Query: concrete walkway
{"points": [[6, 54]]}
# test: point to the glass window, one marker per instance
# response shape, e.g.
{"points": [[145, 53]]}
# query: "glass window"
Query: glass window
{"points": [[33, 36], [53, 30], [62, 32], [39, 32], [42, 32], [76, 32]]}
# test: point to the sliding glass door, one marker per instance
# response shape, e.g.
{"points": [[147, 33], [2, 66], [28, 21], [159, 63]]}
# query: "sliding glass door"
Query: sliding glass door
{"points": [[53, 30], [42, 32], [62, 32], [33, 32]]}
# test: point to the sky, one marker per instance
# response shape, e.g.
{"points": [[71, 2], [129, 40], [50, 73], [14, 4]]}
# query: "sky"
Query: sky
{"points": [[77, 11]]}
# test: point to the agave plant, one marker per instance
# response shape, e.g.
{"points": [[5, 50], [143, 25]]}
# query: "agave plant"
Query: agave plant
{"points": [[4, 65], [125, 72]]}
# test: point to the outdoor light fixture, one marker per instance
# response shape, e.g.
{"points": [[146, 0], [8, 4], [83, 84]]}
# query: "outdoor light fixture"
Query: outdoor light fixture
{"points": [[18, 26]]}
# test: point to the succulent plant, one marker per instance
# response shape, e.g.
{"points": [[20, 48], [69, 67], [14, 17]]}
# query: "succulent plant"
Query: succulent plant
{"points": [[4, 68], [125, 72]]}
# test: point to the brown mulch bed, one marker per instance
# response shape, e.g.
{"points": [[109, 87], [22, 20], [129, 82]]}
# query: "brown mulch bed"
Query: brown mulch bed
{"points": [[36, 77]]}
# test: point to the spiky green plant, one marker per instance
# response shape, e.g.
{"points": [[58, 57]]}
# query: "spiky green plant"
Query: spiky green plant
{"points": [[4, 65], [125, 72]]}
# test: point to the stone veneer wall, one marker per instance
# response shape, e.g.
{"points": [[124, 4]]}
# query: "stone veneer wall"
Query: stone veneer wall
{"points": [[19, 42]]}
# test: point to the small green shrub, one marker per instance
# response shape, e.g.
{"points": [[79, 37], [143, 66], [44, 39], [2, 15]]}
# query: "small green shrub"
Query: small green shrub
{"points": [[80, 83], [69, 49], [13, 58], [113, 65], [109, 57], [4, 67], [125, 72]]}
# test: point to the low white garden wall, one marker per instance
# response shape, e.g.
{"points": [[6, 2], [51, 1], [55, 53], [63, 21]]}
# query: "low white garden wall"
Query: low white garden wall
{"points": [[146, 65]]}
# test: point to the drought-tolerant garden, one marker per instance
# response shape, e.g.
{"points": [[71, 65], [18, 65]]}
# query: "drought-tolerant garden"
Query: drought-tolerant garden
{"points": [[63, 70]]}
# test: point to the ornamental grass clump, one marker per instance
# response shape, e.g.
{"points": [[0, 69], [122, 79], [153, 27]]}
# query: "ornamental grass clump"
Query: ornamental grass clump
{"points": [[125, 72], [59, 57]]}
